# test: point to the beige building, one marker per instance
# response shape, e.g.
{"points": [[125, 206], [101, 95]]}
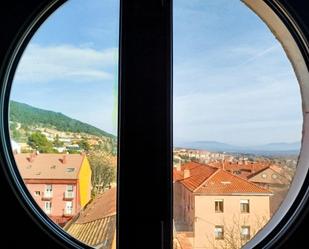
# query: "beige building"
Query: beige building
{"points": [[216, 209], [272, 178]]}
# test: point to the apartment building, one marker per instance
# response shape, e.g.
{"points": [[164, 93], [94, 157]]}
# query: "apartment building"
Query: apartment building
{"points": [[59, 183], [272, 177], [214, 207]]}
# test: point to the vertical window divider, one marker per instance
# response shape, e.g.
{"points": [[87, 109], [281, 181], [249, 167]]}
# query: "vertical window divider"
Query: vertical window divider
{"points": [[144, 206]]}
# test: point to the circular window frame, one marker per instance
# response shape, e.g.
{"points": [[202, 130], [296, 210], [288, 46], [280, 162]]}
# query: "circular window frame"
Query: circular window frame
{"points": [[289, 34], [296, 47]]}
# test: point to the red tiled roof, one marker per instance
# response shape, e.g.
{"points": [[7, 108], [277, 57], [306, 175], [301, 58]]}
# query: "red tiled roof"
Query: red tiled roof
{"points": [[198, 176], [222, 182], [182, 241], [100, 207], [232, 166], [257, 172], [209, 180], [49, 166], [194, 168], [275, 169], [95, 225]]}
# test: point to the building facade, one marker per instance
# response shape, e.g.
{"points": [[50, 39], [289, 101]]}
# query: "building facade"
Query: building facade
{"points": [[217, 209], [59, 183], [272, 178]]}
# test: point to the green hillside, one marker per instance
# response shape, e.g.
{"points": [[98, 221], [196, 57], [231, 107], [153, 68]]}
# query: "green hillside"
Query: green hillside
{"points": [[32, 116]]}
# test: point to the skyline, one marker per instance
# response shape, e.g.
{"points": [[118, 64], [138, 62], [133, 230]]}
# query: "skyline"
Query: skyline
{"points": [[214, 80], [233, 82]]}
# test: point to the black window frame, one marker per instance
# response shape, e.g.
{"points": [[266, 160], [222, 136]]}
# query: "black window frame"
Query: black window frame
{"points": [[244, 206], [219, 206], [146, 25]]}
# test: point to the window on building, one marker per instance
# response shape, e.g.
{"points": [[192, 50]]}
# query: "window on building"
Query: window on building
{"points": [[219, 232], [37, 193], [48, 190], [70, 188], [48, 207], [69, 193], [245, 232], [68, 207], [244, 206], [219, 206]]}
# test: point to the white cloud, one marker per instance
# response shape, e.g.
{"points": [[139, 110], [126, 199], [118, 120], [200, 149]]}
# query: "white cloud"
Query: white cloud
{"points": [[219, 97], [41, 64]]}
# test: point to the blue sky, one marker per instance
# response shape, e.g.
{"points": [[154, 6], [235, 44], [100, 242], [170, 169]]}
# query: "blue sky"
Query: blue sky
{"points": [[232, 80], [70, 65]]}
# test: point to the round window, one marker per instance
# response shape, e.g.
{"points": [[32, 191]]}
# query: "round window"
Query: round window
{"points": [[234, 80], [62, 121], [60, 148]]}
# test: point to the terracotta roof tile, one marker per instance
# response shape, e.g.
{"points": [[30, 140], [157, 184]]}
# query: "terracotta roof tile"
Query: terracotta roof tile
{"points": [[99, 232], [49, 166], [95, 225], [198, 176], [209, 180], [194, 168], [222, 182], [100, 207], [232, 166], [183, 241], [277, 170]]}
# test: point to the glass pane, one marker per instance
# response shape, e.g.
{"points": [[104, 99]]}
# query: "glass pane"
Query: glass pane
{"points": [[63, 119], [237, 124]]}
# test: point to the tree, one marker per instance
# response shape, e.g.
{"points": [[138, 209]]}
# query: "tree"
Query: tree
{"points": [[57, 142], [13, 126], [232, 232], [16, 135], [103, 171], [84, 145], [39, 142]]}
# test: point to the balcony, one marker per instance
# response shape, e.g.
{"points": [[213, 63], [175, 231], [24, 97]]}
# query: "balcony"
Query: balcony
{"points": [[68, 195], [48, 211], [47, 195], [68, 212]]}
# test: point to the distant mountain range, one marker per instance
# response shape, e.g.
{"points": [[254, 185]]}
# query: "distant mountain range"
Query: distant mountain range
{"points": [[271, 148], [31, 116]]}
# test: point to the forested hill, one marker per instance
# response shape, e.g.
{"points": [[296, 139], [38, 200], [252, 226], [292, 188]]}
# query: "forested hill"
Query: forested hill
{"points": [[31, 116]]}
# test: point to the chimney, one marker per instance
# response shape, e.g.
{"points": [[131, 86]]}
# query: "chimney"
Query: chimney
{"points": [[64, 159], [186, 173], [178, 165], [31, 157]]}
